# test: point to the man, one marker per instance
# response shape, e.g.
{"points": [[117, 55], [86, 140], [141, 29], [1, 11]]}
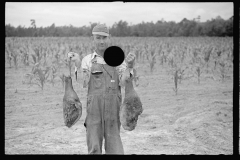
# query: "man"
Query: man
{"points": [[104, 94]]}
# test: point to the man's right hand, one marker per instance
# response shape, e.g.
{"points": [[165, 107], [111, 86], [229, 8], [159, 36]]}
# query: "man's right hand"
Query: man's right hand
{"points": [[73, 56]]}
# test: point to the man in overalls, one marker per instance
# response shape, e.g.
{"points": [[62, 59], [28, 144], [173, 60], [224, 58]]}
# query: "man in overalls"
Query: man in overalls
{"points": [[104, 94]]}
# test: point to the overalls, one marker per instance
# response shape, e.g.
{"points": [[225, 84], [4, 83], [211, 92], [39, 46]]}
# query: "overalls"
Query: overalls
{"points": [[103, 106]]}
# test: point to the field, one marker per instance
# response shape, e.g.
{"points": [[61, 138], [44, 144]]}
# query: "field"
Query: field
{"points": [[185, 85]]}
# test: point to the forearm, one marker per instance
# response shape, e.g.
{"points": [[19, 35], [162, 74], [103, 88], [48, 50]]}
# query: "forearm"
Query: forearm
{"points": [[78, 64]]}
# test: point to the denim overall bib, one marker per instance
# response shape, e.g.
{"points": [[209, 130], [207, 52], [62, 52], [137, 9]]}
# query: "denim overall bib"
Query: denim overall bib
{"points": [[103, 106]]}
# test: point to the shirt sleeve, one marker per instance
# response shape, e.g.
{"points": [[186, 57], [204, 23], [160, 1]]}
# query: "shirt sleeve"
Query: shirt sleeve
{"points": [[85, 70], [84, 64]]}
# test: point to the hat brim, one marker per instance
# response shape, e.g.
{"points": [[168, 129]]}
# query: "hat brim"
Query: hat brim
{"points": [[100, 33]]}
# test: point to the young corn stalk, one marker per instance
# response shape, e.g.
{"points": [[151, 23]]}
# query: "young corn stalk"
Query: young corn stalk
{"points": [[15, 59], [181, 73], [30, 76], [57, 59], [38, 75], [42, 76], [9, 57], [197, 60], [54, 74], [175, 78], [171, 61], [34, 59], [44, 55], [152, 59], [141, 59], [37, 56], [178, 67], [222, 70], [12, 54], [218, 52], [137, 54], [25, 57], [207, 56], [173, 71], [199, 72], [161, 54], [162, 58]]}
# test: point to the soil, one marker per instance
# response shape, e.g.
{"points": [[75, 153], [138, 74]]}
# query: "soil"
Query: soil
{"points": [[198, 120]]}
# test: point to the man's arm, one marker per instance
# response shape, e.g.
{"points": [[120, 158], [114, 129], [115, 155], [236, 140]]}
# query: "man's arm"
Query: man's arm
{"points": [[126, 68], [84, 64], [85, 72]]}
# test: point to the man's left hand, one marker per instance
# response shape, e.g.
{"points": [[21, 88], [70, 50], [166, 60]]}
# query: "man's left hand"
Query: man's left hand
{"points": [[130, 59]]}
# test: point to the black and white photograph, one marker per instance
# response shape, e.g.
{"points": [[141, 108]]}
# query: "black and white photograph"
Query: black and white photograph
{"points": [[132, 78]]}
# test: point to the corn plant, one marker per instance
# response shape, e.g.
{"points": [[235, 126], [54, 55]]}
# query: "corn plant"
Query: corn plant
{"points": [[30, 76], [175, 78], [151, 58], [224, 64], [9, 56], [42, 76], [44, 55], [38, 76], [181, 74], [137, 53], [53, 74], [25, 57], [207, 56], [163, 57], [217, 55], [58, 59], [37, 56], [168, 49], [222, 70], [12, 54], [15, 59], [197, 61], [199, 72]]}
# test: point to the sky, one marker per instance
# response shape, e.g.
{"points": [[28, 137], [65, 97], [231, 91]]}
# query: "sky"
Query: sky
{"points": [[79, 14]]}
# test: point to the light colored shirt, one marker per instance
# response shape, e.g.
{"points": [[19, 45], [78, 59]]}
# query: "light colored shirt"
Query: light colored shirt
{"points": [[87, 63]]}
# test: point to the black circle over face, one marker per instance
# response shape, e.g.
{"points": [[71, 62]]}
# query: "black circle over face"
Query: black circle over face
{"points": [[114, 56]]}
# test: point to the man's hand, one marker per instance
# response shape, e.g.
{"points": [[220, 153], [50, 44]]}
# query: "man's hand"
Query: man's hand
{"points": [[130, 59], [73, 56]]}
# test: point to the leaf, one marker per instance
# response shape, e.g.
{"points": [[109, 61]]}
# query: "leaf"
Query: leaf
{"points": [[34, 59]]}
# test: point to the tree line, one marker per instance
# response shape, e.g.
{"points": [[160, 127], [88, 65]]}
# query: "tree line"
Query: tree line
{"points": [[188, 28]]}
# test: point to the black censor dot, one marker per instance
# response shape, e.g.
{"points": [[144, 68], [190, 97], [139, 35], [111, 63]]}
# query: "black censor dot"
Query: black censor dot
{"points": [[114, 56]]}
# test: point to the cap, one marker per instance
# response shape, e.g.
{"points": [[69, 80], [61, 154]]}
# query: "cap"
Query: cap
{"points": [[100, 29]]}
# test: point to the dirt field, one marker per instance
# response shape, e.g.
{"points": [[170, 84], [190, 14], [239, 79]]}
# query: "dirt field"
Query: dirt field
{"points": [[196, 121]]}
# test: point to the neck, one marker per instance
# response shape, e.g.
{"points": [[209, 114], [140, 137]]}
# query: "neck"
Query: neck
{"points": [[100, 52]]}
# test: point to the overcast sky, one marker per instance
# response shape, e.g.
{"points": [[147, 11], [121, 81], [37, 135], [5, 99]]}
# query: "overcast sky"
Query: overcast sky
{"points": [[79, 14]]}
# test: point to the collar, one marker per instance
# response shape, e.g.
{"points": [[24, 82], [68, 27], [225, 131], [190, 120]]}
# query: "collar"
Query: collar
{"points": [[99, 59], [94, 55]]}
